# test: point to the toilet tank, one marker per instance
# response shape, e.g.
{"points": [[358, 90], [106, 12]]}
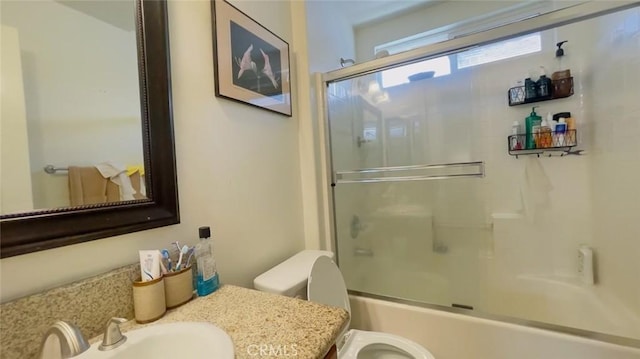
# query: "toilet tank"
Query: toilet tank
{"points": [[290, 277]]}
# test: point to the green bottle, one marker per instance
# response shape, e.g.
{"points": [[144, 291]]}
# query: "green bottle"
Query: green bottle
{"points": [[532, 124]]}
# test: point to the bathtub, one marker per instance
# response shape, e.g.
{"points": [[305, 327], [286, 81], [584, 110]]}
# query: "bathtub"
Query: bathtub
{"points": [[401, 267], [456, 336], [561, 301]]}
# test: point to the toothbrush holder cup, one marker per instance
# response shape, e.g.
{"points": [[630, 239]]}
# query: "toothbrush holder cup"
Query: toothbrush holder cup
{"points": [[178, 287], [149, 300]]}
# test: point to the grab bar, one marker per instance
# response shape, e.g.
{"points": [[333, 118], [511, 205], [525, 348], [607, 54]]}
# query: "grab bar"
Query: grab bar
{"points": [[51, 169], [340, 175]]}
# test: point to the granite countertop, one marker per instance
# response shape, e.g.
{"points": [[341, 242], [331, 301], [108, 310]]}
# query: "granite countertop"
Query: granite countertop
{"points": [[254, 318]]}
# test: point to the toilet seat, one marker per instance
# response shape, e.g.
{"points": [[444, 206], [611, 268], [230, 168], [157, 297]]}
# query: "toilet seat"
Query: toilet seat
{"points": [[326, 286], [404, 348]]}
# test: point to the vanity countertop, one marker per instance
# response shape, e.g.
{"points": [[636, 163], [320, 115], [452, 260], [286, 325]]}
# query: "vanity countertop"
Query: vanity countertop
{"points": [[257, 318]]}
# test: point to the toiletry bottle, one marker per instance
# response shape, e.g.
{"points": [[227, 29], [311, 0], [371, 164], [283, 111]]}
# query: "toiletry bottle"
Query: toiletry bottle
{"points": [[561, 130], [571, 131], [516, 139], [207, 281], [546, 136], [543, 84], [530, 89], [532, 128]]}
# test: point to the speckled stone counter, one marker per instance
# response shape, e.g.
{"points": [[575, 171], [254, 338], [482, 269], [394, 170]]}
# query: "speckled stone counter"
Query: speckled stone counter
{"points": [[253, 318]]}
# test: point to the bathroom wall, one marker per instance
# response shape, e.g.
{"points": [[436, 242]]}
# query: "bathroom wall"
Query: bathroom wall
{"points": [[321, 56], [504, 253], [467, 15], [15, 174], [430, 16], [96, 69], [238, 171]]}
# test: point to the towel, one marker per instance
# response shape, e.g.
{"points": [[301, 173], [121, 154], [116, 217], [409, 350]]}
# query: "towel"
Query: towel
{"points": [[118, 174], [535, 188], [88, 186], [136, 174], [137, 181], [131, 169]]}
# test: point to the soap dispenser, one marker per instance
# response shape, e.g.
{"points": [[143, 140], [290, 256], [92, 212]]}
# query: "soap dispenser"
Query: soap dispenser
{"points": [[532, 124]]}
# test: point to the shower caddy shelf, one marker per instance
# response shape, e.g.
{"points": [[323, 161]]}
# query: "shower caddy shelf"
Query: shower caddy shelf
{"points": [[560, 88], [562, 143]]}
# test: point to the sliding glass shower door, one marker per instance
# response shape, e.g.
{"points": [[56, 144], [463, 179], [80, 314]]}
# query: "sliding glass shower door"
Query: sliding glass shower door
{"points": [[399, 167]]}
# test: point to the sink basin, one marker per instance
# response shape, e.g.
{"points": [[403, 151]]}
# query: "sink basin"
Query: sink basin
{"points": [[174, 340]]}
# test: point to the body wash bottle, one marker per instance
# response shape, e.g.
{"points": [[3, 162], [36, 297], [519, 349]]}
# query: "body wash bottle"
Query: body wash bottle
{"points": [[532, 130], [207, 277]]}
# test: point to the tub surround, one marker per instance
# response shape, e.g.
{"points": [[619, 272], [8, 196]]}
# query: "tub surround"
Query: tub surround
{"points": [[253, 319]]}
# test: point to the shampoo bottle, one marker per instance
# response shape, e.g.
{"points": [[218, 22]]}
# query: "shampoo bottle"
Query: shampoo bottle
{"points": [[532, 124], [546, 137], [207, 277]]}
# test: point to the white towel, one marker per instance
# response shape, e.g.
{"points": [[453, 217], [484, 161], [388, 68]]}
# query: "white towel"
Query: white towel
{"points": [[535, 188], [117, 174]]}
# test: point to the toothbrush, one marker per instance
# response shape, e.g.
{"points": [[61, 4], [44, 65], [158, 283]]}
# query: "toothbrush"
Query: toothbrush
{"points": [[177, 244], [192, 250], [183, 251], [163, 269], [165, 255]]}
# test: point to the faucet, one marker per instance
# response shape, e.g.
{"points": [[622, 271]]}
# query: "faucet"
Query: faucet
{"points": [[112, 337], [70, 341]]}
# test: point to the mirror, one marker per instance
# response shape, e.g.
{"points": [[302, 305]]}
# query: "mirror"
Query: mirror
{"points": [[96, 113]]}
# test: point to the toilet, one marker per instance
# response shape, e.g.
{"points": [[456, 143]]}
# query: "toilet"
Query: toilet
{"points": [[312, 275]]}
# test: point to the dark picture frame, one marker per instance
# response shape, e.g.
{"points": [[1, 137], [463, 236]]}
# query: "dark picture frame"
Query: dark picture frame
{"points": [[251, 63]]}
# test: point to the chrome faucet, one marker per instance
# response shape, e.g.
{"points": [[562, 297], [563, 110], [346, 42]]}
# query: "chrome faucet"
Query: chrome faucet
{"points": [[71, 342], [112, 337]]}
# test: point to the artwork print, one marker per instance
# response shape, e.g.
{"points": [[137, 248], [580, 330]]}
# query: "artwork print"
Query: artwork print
{"points": [[256, 63], [251, 63]]}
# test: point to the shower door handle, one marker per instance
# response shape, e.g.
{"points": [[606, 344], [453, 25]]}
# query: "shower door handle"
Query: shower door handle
{"points": [[362, 252]]}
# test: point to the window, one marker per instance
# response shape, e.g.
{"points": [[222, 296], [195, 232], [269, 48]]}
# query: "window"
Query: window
{"points": [[502, 50], [446, 65], [499, 51], [400, 75]]}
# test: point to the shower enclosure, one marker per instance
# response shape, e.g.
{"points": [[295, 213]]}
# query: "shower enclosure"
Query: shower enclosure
{"points": [[430, 208]]}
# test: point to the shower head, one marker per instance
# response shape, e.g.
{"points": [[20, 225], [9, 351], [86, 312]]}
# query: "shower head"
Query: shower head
{"points": [[344, 61]]}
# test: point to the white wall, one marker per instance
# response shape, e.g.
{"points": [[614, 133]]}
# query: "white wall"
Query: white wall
{"points": [[238, 171], [81, 92], [419, 20], [15, 176], [326, 42]]}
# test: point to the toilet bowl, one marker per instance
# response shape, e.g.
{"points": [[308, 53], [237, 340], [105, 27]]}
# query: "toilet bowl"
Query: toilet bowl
{"points": [[324, 284]]}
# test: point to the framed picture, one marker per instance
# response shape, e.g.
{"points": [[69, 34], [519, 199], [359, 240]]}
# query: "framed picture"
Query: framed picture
{"points": [[251, 64]]}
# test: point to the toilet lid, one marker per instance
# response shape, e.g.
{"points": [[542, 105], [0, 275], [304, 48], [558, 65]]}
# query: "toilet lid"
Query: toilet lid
{"points": [[326, 285]]}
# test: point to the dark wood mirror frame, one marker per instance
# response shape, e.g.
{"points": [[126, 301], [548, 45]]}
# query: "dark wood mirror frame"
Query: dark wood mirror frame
{"points": [[35, 231]]}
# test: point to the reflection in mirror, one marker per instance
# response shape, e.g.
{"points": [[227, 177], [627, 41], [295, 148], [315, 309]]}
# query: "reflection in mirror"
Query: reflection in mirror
{"points": [[71, 126], [112, 118]]}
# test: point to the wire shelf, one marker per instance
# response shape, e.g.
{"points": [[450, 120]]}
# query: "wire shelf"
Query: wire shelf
{"points": [[538, 143], [559, 89]]}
